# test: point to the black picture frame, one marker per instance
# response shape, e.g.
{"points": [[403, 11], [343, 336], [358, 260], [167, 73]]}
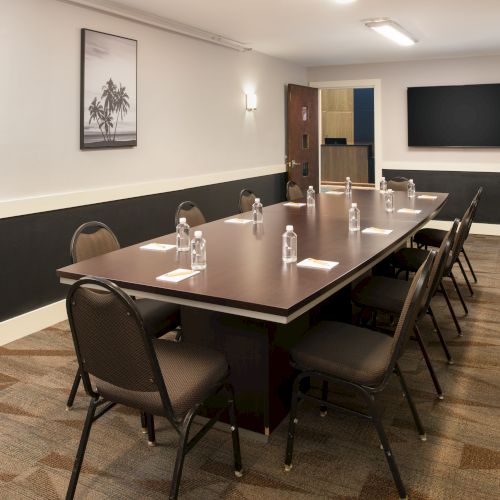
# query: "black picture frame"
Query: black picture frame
{"points": [[108, 105]]}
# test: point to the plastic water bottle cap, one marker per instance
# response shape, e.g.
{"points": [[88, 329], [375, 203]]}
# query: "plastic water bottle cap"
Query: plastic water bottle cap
{"points": [[383, 178], [310, 187], [289, 228], [197, 234], [182, 220], [411, 180], [354, 205], [257, 200], [389, 190], [347, 178]]}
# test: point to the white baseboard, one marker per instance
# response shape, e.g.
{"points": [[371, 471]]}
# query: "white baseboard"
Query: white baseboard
{"points": [[31, 322], [476, 228]]}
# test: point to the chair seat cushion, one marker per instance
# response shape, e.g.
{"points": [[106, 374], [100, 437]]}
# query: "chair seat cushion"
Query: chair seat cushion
{"points": [[159, 317], [379, 292], [191, 374], [344, 351], [409, 259], [429, 237]]}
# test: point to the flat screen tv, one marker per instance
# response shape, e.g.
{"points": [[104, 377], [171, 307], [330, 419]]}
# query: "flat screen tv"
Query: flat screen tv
{"points": [[454, 116]]}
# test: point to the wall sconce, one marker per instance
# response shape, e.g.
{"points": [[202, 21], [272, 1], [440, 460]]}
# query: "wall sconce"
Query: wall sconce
{"points": [[251, 101]]}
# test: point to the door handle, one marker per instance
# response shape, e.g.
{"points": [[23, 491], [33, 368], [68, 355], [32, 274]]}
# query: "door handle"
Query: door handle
{"points": [[292, 164]]}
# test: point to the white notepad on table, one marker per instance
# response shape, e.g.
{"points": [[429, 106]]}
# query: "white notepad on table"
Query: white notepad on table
{"points": [[376, 230], [426, 197], [317, 264], [157, 247], [238, 221], [293, 204], [177, 275], [408, 211], [337, 192]]}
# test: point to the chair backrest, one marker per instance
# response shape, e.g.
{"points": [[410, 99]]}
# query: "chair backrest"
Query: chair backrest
{"points": [[293, 191], [92, 239], [475, 203], [111, 342], [398, 184], [409, 313], [462, 232], [194, 216], [439, 266], [246, 200]]}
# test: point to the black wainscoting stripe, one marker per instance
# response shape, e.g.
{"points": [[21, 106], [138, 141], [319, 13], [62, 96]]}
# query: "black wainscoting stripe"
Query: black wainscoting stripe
{"points": [[462, 187], [35, 245]]}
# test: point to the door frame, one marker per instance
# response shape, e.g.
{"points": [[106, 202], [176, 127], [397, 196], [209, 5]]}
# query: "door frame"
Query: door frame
{"points": [[376, 85]]}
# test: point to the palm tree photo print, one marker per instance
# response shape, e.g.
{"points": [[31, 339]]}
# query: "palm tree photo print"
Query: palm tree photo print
{"points": [[109, 76]]}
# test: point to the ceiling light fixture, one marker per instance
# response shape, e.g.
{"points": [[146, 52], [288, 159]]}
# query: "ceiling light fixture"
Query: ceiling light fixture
{"points": [[391, 30], [344, 1]]}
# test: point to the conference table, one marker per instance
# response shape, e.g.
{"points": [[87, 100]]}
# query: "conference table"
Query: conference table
{"points": [[250, 304]]}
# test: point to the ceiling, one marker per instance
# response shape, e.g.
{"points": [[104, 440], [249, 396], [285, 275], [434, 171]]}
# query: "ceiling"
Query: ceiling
{"points": [[322, 32]]}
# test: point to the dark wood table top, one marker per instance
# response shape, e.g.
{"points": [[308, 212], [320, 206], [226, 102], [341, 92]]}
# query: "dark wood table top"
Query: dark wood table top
{"points": [[245, 274]]}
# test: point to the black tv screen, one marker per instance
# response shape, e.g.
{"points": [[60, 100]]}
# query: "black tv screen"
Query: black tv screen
{"points": [[454, 116]]}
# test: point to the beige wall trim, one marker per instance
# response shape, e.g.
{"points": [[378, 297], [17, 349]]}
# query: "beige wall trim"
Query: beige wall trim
{"points": [[31, 322], [441, 166], [58, 201], [476, 228]]}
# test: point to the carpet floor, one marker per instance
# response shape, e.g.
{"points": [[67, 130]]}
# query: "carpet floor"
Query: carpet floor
{"points": [[336, 457]]}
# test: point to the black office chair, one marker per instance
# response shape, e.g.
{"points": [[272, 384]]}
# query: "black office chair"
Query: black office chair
{"points": [[429, 237], [246, 200], [293, 191], [96, 238], [398, 184], [359, 360], [408, 259], [194, 216], [380, 293], [129, 367]]}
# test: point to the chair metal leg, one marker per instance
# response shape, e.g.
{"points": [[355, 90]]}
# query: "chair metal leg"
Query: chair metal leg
{"points": [[235, 435], [413, 409], [385, 445], [74, 389], [450, 308], [470, 266], [81, 450], [150, 423], [459, 293], [144, 424], [181, 453], [323, 410], [428, 363], [471, 291], [440, 336], [291, 426]]}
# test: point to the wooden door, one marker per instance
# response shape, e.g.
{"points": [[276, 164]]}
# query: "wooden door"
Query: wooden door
{"points": [[302, 136]]}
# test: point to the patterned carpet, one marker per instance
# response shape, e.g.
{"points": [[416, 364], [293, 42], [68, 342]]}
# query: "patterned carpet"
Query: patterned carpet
{"points": [[336, 457]]}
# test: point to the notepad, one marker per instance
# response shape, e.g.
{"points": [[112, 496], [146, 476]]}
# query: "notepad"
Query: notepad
{"points": [[157, 247], [408, 211], [293, 204], [317, 264], [426, 197], [337, 192], [238, 221], [177, 275], [376, 230]]}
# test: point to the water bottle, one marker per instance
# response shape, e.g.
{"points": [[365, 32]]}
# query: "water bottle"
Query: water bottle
{"points": [[348, 186], [311, 201], [289, 245], [198, 252], [182, 235], [354, 217], [257, 213], [383, 185], [411, 189], [389, 200]]}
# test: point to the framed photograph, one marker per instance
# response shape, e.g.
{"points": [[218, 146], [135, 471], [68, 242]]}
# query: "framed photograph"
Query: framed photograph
{"points": [[108, 93]]}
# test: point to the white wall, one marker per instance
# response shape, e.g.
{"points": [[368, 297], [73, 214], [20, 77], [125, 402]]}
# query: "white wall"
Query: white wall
{"points": [[191, 106], [395, 78]]}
